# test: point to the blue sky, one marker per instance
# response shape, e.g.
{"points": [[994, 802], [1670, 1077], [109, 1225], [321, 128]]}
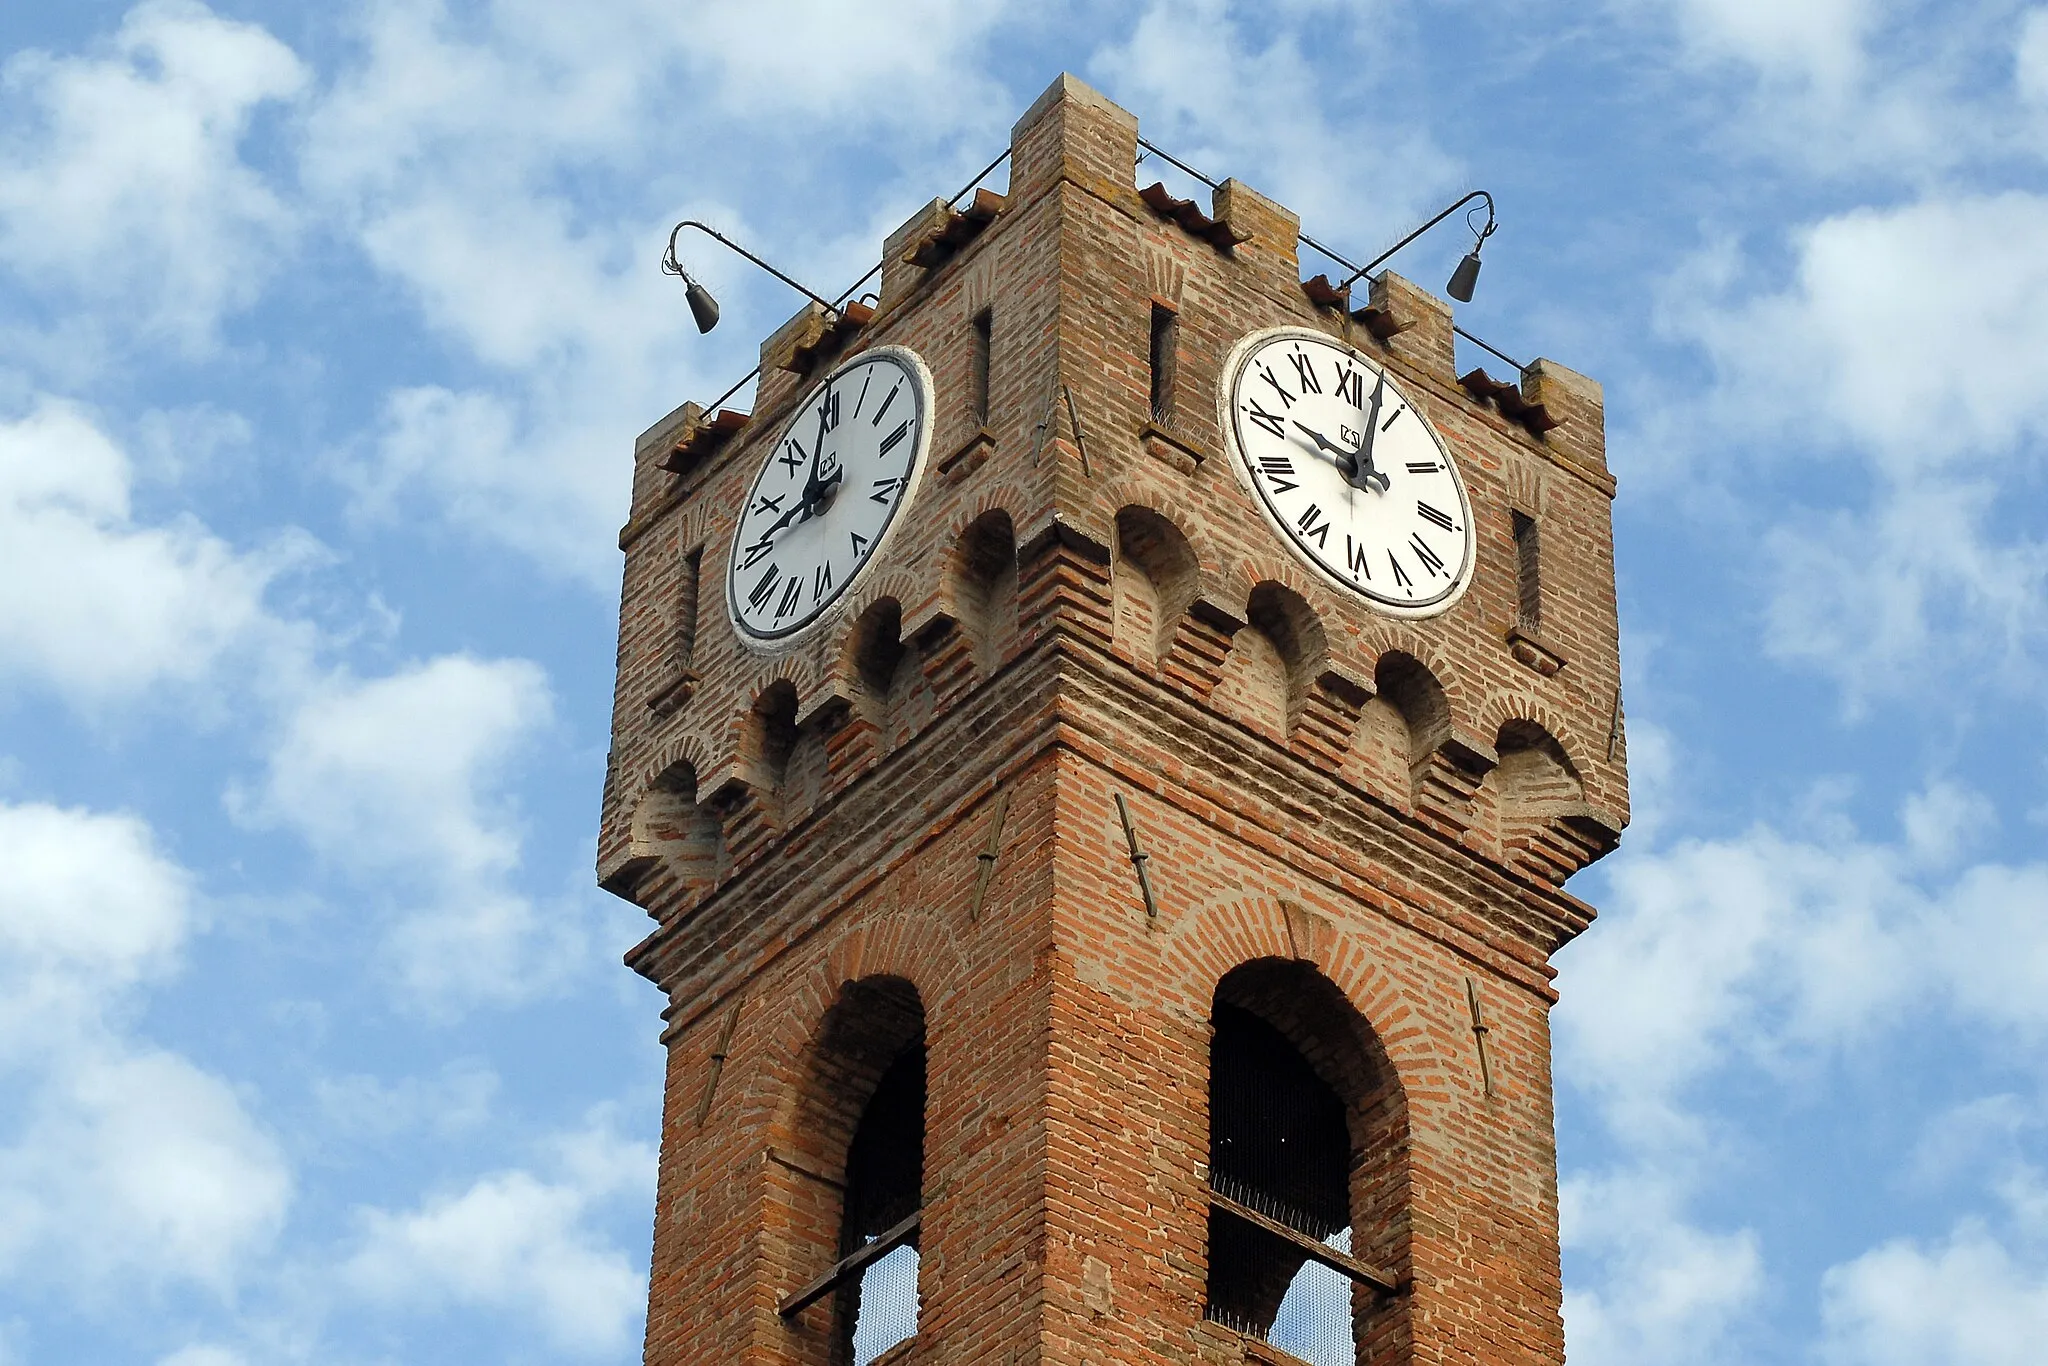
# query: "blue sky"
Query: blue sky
{"points": [[324, 335]]}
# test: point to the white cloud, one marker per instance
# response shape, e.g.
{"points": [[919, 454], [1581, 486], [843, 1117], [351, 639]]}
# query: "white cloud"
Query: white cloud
{"points": [[1917, 333], [512, 173], [1902, 373], [1775, 950], [133, 1163], [58, 962], [517, 1244], [1914, 592], [1780, 953], [120, 1163], [99, 605], [126, 186], [1966, 1300], [1944, 820], [203, 1355], [1817, 41], [392, 772], [400, 782], [1662, 1289], [2030, 57], [356, 1106]]}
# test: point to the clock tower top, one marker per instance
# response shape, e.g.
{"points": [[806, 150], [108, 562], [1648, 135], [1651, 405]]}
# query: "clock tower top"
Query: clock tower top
{"points": [[1102, 743]]}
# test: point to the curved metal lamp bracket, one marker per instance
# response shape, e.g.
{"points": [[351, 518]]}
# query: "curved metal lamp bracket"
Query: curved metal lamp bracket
{"points": [[671, 266], [1481, 233]]}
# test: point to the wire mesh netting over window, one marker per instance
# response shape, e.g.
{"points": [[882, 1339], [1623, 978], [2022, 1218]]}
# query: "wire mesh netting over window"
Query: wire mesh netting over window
{"points": [[888, 1305], [884, 1187], [1279, 1146]]}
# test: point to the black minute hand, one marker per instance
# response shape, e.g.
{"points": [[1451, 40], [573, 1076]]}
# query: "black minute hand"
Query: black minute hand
{"points": [[1366, 474]]}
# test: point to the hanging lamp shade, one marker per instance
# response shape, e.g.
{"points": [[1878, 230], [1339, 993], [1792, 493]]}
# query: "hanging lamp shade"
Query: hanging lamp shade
{"points": [[704, 308]]}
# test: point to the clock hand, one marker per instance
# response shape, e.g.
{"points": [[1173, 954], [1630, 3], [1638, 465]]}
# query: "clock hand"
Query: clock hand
{"points": [[802, 509], [1344, 460], [1365, 473]]}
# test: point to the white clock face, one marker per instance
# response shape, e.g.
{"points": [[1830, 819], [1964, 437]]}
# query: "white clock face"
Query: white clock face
{"points": [[1344, 467], [832, 490]]}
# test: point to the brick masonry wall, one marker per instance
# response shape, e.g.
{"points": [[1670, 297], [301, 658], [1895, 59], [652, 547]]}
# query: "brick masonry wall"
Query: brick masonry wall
{"points": [[1303, 791]]}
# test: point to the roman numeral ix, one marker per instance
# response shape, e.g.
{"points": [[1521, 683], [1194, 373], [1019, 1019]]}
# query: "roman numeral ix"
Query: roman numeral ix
{"points": [[1272, 422]]}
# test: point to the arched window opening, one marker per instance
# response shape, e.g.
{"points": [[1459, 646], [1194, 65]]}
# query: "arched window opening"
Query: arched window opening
{"points": [[884, 1198], [1288, 1180], [864, 1120]]}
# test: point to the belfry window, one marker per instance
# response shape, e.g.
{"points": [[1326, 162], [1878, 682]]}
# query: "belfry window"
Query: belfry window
{"points": [[875, 1038], [884, 1200], [1284, 1263]]}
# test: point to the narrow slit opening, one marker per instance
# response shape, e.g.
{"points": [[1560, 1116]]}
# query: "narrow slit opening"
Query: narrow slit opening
{"points": [[1528, 573], [984, 330], [1165, 345]]}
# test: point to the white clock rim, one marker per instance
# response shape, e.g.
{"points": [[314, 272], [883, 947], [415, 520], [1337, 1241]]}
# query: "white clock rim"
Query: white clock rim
{"points": [[825, 616], [1240, 464]]}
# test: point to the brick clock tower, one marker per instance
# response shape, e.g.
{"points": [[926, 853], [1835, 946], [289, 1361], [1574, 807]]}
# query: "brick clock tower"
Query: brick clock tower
{"points": [[1101, 744]]}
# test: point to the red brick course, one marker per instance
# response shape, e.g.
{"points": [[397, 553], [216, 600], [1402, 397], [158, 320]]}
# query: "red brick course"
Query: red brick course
{"points": [[1393, 802]]}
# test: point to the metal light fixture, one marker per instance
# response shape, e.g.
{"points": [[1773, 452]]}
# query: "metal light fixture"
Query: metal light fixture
{"points": [[1466, 276], [704, 308]]}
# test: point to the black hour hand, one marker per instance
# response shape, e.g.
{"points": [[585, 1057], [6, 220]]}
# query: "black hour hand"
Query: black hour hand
{"points": [[1345, 457]]}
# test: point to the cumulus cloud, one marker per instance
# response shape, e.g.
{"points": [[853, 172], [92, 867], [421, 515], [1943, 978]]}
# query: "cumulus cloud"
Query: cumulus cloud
{"points": [[1842, 89], [98, 604], [204, 1354], [125, 186], [120, 1162], [461, 157], [1967, 1299], [1781, 952], [1773, 949], [400, 782], [1903, 371], [1820, 41], [519, 1244], [2030, 57], [1917, 333], [1661, 1288]]}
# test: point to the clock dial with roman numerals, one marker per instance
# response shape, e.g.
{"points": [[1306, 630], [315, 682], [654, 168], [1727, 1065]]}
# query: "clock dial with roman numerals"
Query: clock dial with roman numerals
{"points": [[830, 492], [1345, 468]]}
